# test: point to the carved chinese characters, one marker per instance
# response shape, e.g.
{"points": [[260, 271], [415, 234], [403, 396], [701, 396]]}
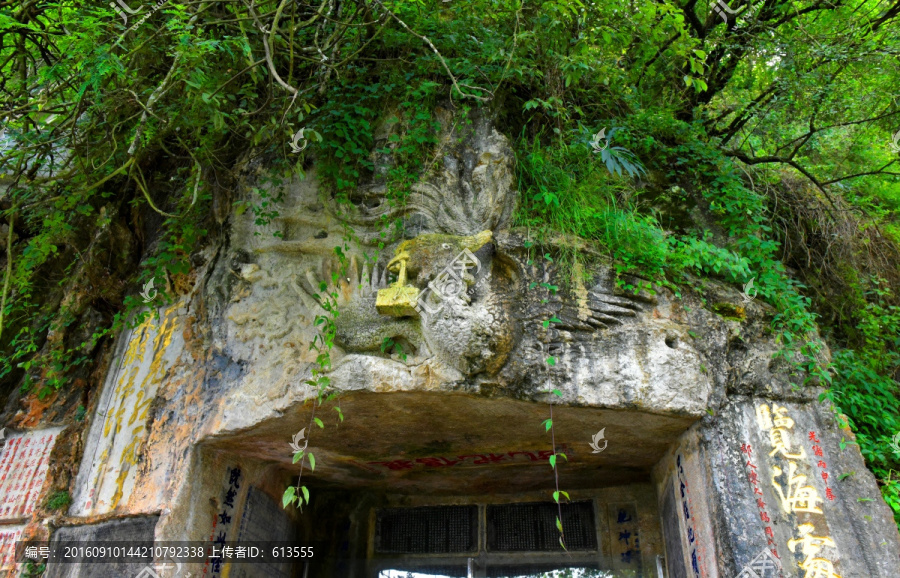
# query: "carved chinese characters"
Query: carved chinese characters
{"points": [[753, 476], [796, 495], [469, 459], [625, 537], [820, 462], [23, 468], [686, 509], [224, 521], [107, 477], [9, 535]]}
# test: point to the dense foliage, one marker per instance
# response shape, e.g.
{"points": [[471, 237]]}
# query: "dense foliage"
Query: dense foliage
{"points": [[748, 145]]}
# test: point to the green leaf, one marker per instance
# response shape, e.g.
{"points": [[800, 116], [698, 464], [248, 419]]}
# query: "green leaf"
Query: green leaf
{"points": [[552, 461], [318, 422], [559, 527], [288, 497], [297, 457], [548, 423], [551, 361], [305, 493], [556, 497], [556, 392], [312, 462]]}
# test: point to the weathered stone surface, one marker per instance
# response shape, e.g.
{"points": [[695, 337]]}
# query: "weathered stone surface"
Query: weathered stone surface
{"points": [[138, 531], [263, 520], [447, 404], [763, 488], [9, 535], [24, 461], [120, 425], [464, 443]]}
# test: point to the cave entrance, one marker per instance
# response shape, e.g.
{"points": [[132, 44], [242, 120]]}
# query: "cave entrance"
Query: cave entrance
{"points": [[455, 485], [609, 532]]}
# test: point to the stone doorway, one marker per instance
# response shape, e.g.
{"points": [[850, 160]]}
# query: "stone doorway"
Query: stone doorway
{"points": [[453, 486]]}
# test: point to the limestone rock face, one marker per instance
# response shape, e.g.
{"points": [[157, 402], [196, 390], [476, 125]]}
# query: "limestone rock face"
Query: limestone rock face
{"points": [[446, 397], [770, 476]]}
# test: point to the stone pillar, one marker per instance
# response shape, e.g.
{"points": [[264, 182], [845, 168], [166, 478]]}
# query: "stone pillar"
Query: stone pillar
{"points": [[764, 489]]}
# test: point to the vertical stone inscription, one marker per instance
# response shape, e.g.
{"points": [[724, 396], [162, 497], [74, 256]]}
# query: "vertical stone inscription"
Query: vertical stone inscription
{"points": [[24, 461], [625, 537], [223, 522], [107, 475], [799, 500], [9, 535], [697, 563], [753, 476]]}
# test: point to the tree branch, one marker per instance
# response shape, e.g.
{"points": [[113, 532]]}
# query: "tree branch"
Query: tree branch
{"points": [[880, 171], [441, 58], [787, 161]]}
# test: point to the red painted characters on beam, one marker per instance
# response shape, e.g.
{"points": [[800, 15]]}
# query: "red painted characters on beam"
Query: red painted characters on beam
{"points": [[398, 465]]}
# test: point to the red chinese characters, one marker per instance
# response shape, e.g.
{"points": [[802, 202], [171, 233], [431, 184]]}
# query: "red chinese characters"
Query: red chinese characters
{"points": [[24, 461], [817, 450], [747, 449], [468, 459], [8, 538]]}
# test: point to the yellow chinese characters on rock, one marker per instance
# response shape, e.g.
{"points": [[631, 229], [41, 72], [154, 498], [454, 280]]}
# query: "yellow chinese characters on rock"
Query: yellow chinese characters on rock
{"points": [[810, 546], [128, 420], [799, 498], [778, 424], [795, 494]]}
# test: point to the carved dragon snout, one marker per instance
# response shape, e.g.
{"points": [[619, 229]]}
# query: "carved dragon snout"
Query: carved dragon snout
{"points": [[430, 256]]}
